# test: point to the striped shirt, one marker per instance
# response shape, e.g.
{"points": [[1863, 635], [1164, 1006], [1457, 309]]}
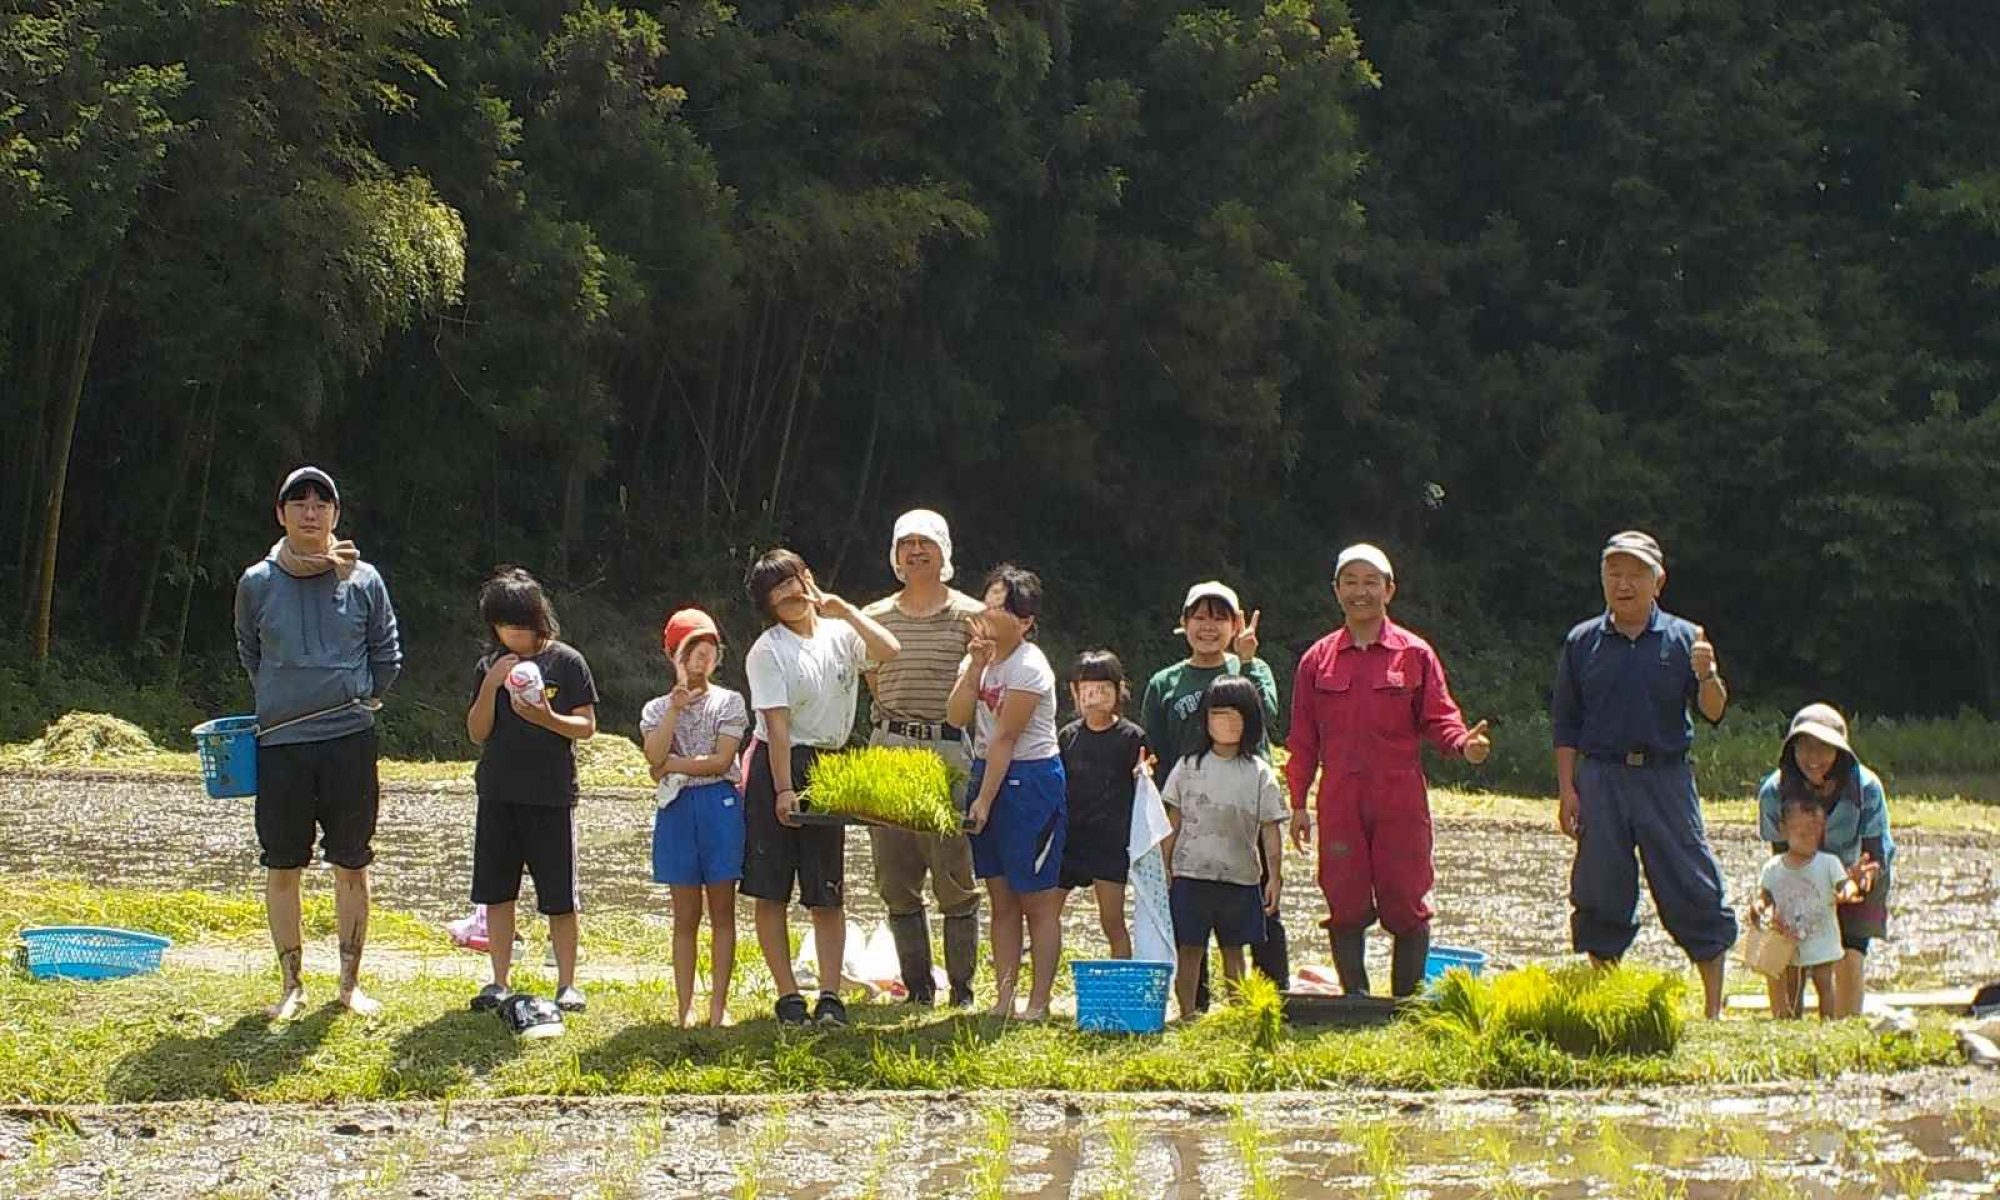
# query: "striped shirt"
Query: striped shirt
{"points": [[914, 685]]}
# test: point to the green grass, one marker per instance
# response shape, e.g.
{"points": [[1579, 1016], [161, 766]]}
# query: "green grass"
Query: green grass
{"points": [[188, 1034], [905, 786], [237, 918]]}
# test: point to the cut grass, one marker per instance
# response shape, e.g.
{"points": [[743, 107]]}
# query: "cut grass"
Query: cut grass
{"points": [[186, 1034]]}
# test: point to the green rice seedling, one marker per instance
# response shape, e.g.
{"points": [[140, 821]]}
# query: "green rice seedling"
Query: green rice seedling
{"points": [[1121, 1137], [1382, 1155], [770, 1135], [1910, 1178], [880, 1158], [1252, 1151], [1978, 1126], [906, 786], [1580, 1010], [993, 1162]]}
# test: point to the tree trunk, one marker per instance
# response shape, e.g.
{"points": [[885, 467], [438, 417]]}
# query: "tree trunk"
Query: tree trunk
{"points": [[194, 554], [791, 416], [90, 308], [158, 551]]}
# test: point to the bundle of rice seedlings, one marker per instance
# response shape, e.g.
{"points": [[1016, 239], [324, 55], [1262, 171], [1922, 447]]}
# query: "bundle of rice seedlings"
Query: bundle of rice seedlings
{"points": [[1577, 1009], [906, 786]]}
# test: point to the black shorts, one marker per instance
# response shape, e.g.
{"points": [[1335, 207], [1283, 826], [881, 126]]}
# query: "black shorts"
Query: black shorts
{"points": [[540, 837], [330, 785], [1092, 855], [1233, 912], [775, 855]]}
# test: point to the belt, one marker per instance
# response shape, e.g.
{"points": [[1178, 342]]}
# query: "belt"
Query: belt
{"points": [[922, 731], [1643, 758]]}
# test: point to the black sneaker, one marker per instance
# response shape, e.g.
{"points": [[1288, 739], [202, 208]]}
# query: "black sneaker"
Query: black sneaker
{"points": [[961, 995], [792, 1009], [531, 1016], [490, 997], [830, 1010], [570, 999]]}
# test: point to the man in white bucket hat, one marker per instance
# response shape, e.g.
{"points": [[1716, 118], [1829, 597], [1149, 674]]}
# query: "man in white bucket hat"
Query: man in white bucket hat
{"points": [[908, 696]]}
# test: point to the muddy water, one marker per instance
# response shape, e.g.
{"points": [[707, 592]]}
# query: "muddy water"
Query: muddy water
{"points": [[1935, 1134], [1501, 888]]}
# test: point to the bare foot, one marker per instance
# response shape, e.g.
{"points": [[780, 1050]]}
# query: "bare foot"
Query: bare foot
{"points": [[1003, 1010], [1035, 1014], [359, 1003], [289, 1006]]}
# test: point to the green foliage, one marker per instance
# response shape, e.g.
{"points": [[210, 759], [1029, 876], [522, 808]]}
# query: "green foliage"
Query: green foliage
{"points": [[624, 293], [906, 786], [1579, 1009]]}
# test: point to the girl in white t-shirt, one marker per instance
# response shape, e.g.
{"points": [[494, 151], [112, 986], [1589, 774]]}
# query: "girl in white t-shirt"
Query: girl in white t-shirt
{"points": [[1799, 893], [804, 673], [1006, 694]]}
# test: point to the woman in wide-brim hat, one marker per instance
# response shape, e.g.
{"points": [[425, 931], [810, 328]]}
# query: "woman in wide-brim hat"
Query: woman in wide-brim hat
{"points": [[1817, 761]]}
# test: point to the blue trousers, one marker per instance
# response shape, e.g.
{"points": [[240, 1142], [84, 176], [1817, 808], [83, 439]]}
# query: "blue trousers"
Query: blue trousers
{"points": [[1654, 811]]}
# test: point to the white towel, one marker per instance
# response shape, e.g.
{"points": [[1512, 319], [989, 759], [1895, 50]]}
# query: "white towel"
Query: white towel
{"points": [[1152, 916], [670, 787]]}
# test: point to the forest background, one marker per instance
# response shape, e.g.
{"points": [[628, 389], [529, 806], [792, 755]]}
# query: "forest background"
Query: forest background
{"points": [[1137, 292]]}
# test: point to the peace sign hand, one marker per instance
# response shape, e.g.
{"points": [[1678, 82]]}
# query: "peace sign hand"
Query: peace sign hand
{"points": [[1478, 746], [978, 646], [1245, 645]]}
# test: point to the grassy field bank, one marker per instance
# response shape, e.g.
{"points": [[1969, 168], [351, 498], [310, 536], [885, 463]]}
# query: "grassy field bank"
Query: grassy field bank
{"points": [[190, 1033]]}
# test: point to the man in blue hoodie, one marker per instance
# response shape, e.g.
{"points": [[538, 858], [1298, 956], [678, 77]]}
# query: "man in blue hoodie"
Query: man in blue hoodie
{"points": [[315, 631]]}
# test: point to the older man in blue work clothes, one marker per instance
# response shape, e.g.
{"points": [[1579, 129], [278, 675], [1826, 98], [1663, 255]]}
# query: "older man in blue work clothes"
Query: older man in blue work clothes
{"points": [[1624, 684]]}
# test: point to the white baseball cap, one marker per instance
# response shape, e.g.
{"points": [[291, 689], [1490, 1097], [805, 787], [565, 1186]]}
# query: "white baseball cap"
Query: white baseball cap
{"points": [[1212, 590], [1364, 552]]}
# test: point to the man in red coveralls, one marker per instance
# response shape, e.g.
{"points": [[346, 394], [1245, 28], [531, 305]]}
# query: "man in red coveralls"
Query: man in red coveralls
{"points": [[1362, 697]]}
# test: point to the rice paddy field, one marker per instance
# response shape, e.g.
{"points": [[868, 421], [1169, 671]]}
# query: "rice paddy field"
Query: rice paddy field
{"points": [[173, 1084]]}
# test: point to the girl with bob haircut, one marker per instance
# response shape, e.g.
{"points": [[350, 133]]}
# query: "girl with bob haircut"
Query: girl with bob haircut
{"points": [[1006, 694], [1228, 815]]}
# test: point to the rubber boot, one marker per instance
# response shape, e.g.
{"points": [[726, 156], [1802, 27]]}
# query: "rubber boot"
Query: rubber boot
{"points": [[961, 955], [913, 951], [1273, 955], [1350, 960], [1406, 963]]}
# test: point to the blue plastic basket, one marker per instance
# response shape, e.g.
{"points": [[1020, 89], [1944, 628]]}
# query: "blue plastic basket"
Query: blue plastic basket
{"points": [[1115, 995], [228, 750], [90, 952], [1444, 958]]}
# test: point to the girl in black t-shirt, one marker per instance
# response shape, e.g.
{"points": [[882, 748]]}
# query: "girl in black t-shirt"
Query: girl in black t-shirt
{"points": [[1101, 751], [533, 699]]}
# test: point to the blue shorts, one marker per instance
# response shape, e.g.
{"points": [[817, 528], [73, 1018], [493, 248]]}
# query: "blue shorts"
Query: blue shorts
{"points": [[1024, 834], [1233, 912], [698, 839]]}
